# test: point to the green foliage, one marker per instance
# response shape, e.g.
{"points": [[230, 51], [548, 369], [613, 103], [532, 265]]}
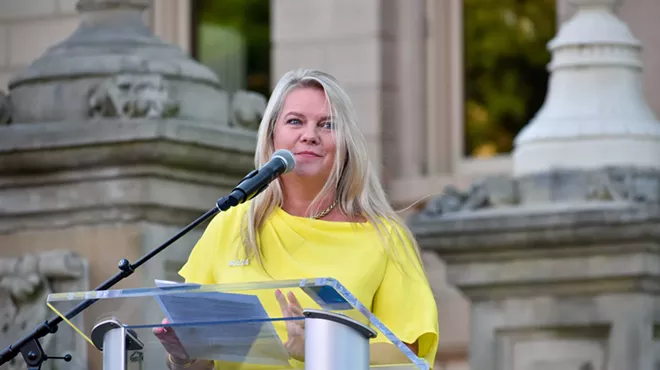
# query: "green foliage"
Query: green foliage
{"points": [[248, 18], [505, 69]]}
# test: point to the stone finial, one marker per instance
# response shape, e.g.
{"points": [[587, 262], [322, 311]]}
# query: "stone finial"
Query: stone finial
{"points": [[113, 67], [595, 114]]}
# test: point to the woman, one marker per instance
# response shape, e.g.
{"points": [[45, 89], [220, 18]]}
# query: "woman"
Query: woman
{"points": [[329, 216]]}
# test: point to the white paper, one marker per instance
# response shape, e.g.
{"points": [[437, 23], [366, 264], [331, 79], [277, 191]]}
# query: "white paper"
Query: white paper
{"points": [[222, 326]]}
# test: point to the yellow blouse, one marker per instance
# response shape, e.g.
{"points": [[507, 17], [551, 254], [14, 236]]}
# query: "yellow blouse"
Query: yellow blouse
{"points": [[352, 253]]}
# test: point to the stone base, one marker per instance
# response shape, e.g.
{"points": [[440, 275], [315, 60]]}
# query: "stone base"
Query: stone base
{"points": [[556, 278], [25, 284], [114, 189]]}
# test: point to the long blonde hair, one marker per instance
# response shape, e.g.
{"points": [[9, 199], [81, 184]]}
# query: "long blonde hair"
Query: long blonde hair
{"points": [[353, 179]]}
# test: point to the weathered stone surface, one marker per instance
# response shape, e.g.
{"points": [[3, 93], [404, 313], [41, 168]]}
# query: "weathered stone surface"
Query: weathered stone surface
{"points": [[25, 284], [562, 277], [557, 186], [113, 170], [556, 285], [247, 109]]}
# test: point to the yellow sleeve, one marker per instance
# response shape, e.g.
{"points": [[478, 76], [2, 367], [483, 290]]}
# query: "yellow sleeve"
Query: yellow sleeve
{"points": [[201, 262], [404, 302]]}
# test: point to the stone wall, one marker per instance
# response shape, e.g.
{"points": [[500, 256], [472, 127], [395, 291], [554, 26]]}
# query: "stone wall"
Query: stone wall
{"points": [[28, 28]]}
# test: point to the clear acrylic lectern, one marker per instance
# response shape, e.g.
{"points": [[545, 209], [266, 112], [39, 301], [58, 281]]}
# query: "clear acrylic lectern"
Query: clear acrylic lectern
{"points": [[241, 326]]}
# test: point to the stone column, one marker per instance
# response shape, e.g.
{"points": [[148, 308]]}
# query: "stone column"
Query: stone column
{"points": [[559, 260], [411, 80], [110, 142]]}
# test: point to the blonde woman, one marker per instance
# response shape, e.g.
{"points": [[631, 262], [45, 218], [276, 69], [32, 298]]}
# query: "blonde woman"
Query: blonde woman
{"points": [[328, 217]]}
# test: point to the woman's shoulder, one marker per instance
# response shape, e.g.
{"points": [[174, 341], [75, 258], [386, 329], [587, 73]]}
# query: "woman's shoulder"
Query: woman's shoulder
{"points": [[396, 229], [403, 247], [229, 218]]}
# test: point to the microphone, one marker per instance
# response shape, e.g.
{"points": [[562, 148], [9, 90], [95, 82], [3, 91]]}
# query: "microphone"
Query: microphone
{"points": [[281, 162]]}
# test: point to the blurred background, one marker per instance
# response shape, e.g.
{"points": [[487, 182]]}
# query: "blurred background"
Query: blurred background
{"points": [[520, 136]]}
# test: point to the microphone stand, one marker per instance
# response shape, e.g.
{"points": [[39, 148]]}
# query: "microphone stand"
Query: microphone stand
{"points": [[29, 345]]}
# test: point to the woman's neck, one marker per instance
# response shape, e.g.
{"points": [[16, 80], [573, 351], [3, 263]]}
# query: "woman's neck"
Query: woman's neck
{"points": [[298, 197]]}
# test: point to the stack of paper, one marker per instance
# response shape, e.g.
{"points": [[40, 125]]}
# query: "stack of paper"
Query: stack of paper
{"points": [[222, 326]]}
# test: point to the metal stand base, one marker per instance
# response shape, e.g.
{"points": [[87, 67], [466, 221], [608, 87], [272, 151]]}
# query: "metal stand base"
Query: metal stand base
{"points": [[115, 340], [334, 341]]}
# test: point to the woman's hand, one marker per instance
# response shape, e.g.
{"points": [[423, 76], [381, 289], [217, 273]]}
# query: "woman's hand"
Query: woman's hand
{"points": [[171, 342], [295, 328]]}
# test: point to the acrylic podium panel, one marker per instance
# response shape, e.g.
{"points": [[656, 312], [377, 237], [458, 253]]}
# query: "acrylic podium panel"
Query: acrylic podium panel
{"points": [[240, 325]]}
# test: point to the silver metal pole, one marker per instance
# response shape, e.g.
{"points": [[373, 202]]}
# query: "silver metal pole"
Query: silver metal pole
{"points": [[334, 341], [114, 340], [114, 349]]}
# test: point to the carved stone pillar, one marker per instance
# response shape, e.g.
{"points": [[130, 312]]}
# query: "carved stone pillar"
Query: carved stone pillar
{"points": [[113, 140], [558, 267], [560, 263]]}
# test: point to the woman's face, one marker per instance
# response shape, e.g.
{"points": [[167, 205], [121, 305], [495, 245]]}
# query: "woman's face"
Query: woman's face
{"points": [[304, 127]]}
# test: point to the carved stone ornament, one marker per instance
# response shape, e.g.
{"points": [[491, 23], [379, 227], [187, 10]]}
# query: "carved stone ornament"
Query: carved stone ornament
{"points": [[587, 366], [5, 109], [132, 96], [621, 184], [25, 284], [247, 109]]}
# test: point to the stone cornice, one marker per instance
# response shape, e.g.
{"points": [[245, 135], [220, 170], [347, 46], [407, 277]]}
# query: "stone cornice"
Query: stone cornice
{"points": [[100, 215], [556, 288], [582, 249], [539, 226], [38, 148], [113, 171]]}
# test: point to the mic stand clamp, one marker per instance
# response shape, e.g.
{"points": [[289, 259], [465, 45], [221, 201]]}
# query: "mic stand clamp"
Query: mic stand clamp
{"points": [[34, 355]]}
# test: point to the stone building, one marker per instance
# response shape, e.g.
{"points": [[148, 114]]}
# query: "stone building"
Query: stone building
{"points": [[76, 180]]}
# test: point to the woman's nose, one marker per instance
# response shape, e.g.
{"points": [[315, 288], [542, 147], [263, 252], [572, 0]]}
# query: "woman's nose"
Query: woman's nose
{"points": [[310, 135]]}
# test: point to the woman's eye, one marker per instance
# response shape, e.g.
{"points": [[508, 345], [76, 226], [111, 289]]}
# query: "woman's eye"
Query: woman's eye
{"points": [[328, 125], [293, 121]]}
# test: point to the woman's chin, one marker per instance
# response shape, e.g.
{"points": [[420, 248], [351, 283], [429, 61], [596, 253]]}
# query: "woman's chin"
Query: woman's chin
{"points": [[309, 173]]}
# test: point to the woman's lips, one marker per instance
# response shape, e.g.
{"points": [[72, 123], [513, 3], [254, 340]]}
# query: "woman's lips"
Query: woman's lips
{"points": [[308, 154]]}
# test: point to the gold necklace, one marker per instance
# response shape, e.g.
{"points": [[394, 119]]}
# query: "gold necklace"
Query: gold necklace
{"points": [[325, 211]]}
